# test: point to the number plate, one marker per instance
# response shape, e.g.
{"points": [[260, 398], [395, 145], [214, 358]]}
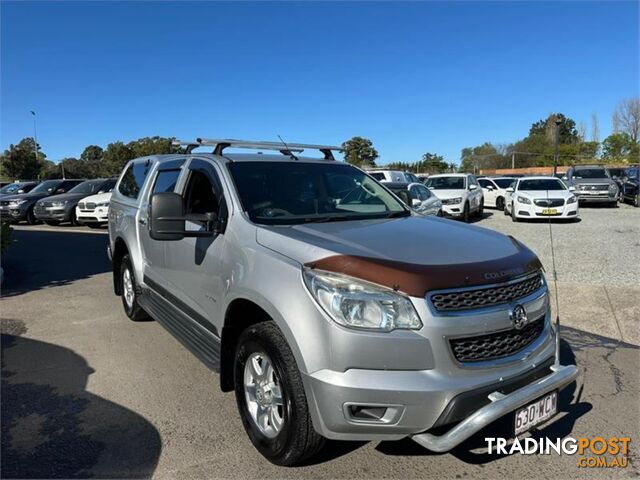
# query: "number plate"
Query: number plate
{"points": [[549, 211], [536, 413]]}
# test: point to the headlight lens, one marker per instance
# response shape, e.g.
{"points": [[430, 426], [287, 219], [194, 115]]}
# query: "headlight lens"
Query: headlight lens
{"points": [[452, 201], [361, 305], [572, 199], [613, 187], [524, 200], [102, 204], [16, 203], [59, 204]]}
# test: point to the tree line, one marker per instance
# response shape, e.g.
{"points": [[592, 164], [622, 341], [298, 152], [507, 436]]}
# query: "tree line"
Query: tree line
{"points": [[20, 161], [537, 148]]}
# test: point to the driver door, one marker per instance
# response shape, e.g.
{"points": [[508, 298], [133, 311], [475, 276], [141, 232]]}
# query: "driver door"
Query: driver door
{"points": [[193, 264]]}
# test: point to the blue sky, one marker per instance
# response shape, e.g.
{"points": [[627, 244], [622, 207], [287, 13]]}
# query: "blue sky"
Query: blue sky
{"points": [[413, 77]]}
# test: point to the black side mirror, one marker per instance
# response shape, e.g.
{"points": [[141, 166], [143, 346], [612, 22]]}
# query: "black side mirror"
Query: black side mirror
{"points": [[166, 217], [60, 190]]}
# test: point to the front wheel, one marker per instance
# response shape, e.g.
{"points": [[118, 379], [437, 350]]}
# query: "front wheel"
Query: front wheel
{"points": [[271, 399], [500, 203], [513, 213], [31, 217], [465, 213]]}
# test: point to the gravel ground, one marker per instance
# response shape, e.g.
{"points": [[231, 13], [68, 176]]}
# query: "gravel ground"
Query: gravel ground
{"points": [[603, 248]]}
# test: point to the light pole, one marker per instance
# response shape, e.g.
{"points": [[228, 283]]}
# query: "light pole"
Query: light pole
{"points": [[35, 135], [555, 146]]}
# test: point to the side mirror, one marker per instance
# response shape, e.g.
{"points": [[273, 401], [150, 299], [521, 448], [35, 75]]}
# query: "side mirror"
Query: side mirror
{"points": [[473, 187], [564, 177], [415, 203], [510, 190], [166, 217], [60, 190], [572, 189], [20, 191], [490, 188]]}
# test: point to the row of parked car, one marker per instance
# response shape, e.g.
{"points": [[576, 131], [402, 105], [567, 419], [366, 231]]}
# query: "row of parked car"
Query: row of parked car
{"points": [[464, 195], [458, 195], [73, 201]]}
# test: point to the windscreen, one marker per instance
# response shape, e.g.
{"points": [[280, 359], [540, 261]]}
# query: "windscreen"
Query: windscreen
{"points": [[292, 193], [590, 173], [88, 187], [503, 182], [12, 187], [446, 183], [541, 184], [46, 186]]}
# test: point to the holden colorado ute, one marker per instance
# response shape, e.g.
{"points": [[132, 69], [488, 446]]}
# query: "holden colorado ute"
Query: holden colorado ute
{"points": [[329, 307]]}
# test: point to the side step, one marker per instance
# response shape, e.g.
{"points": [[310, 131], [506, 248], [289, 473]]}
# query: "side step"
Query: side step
{"points": [[201, 342]]}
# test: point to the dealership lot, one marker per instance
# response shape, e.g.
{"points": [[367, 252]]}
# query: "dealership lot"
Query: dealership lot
{"points": [[87, 390]]}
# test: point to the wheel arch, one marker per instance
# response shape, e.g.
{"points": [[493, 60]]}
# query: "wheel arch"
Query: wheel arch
{"points": [[120, 249]]}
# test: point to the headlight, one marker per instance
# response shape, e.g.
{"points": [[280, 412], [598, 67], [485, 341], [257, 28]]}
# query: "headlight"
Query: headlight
{"points": [[524, 200], [16, 203], [571, 199], [59, 204], [102, 204], [452, 201], [357, 304]]}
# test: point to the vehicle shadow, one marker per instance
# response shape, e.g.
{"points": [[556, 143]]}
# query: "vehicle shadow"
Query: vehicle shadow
{"points": [[571, 408], [38, 259], [52, 427]]}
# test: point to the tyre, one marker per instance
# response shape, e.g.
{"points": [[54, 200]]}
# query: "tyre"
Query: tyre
{"points": [[72, 219], [613, 204], [465, 213], [271, 399], [500, 203], [130, 291], [52, 223], [480, 211], [93, 224], [636, 200], [513, 213], [31, 217]]}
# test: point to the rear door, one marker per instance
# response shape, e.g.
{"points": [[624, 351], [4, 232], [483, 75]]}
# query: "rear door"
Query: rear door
{"points": [[489, 193]]}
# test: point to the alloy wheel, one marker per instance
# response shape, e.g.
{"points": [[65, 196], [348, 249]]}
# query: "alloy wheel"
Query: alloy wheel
{"points": [[263, 393]]}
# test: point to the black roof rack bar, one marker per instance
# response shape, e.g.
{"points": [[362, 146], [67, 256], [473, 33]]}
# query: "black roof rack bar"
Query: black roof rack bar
{"points": [[220, 144]]}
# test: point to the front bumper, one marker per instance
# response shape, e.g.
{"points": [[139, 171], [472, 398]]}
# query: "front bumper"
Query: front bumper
{"points": [[13, 214], [534, 211], [52, 214], [97, 215], [500, 405], [599, 197], [454, 210]]}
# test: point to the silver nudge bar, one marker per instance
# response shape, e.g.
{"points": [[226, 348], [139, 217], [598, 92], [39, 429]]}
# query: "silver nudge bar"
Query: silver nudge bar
{"points": [[220, 144], [500, 405]]}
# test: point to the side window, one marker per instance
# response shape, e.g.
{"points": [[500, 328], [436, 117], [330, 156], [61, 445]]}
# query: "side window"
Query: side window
{"points": [[200, 195], [484, 183], [107, 186], [414, 193], [423, 192], [471, 180], [166, 181], [133, 179]]}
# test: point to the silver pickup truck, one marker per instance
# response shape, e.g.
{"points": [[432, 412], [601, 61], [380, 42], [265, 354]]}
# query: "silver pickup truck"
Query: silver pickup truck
{"points": [[331, 309]]}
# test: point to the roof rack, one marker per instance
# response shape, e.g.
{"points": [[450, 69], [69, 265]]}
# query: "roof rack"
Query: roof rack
{"points": [[220, 144]]}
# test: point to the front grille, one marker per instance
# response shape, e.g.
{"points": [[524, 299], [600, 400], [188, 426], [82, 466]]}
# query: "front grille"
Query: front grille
{"points": [[91, 206], [549, 202], [81, 205], [594, 187], [486, 297], [496, 345]]}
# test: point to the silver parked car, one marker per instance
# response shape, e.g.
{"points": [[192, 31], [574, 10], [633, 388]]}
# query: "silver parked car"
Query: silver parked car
{"points": [[331, 308], [417, 196], [592, 184]]}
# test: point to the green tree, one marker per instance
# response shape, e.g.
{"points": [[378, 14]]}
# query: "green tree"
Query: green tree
{"points": [[619, 147], [20, 162], [115, 156], [360, 151], [91, 157], [151, 146], [568, 133], [433, 163]]}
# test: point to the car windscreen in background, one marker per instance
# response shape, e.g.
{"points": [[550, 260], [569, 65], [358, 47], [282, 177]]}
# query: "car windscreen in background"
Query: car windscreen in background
{"points": [[541, 184], [503, 182], [446, 183], [590, 173]]}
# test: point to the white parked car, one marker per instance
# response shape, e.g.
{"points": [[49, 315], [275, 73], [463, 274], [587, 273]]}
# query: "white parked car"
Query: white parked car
{"points": [[93, 210], [494, 190], [535, 197], [460, 194]]}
